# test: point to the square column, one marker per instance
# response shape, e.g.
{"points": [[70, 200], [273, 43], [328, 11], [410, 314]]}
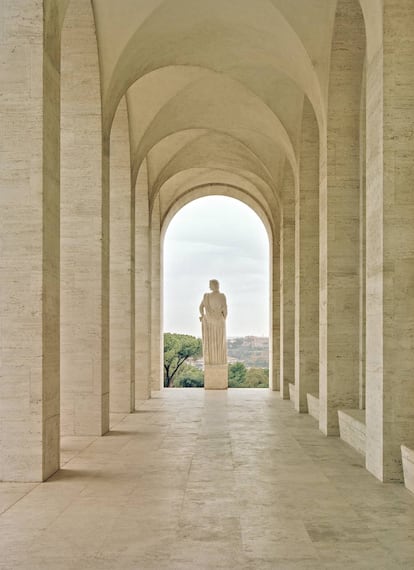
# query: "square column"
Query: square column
{"points": [[307, 264], [84, 231], [339, 222], [29, 239], [390, 244], [122, 236], [287, 286], [142, 288], [274, 378], [157, 352]]}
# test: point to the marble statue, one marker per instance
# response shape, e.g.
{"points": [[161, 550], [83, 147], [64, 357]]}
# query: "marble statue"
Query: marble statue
{"points": [[213, 311]]}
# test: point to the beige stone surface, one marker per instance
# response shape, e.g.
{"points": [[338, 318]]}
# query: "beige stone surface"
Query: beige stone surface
{"points": [[313, 406], [390, 244], [84, 282], [113, 505], [407, 456], [292, 392], [352, 429], [374, 269], [122, 285], [216, 377], [307, 263], [156, 299], [362, 240], [142, 275], [29, 241], [275, 312], [287, 285], [339, 222]]}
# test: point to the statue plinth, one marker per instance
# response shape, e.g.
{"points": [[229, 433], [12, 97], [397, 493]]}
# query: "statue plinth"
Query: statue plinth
{"points": [[216, 377]]}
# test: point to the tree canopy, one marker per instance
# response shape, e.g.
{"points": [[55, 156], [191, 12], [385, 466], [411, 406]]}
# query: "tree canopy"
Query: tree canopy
{"points": [[177, 349], [189, 377], [257, 378], [237, 375], [242, 377]]}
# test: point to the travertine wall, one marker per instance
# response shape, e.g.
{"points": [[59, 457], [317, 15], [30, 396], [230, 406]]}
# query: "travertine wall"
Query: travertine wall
{"points": [[29, 240], [307, 263], [287, 285], [142, 288], [274, 341], [339, 278], [84, 280], [157, 352], [50, 295], [375, 267], [362, 241], [122, 341], [390, 243]]}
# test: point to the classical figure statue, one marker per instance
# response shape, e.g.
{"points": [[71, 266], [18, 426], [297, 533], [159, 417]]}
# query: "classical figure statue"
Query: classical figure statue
{"points": [[213, 311]]}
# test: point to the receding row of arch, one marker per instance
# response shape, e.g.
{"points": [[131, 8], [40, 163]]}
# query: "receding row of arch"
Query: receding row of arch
{"points": [[122, 174]]}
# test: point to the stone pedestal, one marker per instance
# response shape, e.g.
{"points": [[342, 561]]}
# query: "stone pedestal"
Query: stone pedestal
{"points": [[216, 377]]}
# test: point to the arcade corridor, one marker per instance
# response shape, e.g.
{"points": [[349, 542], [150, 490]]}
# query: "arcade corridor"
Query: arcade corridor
{"points": [[113, 117]]}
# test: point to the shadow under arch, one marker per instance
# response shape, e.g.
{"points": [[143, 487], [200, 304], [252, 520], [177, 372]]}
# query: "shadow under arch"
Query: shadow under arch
{"points": [[230, 191]]}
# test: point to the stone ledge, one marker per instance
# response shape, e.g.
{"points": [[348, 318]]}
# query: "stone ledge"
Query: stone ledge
{"points": [[407, 455], [352, 428], [313, 405], [291, 391]]}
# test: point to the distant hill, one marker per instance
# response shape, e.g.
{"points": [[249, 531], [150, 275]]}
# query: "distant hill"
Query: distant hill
{"points": [[252, 350]]}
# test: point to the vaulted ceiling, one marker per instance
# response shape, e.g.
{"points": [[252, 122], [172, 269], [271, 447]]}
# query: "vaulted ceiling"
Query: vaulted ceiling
{"points": [[215, 89]]}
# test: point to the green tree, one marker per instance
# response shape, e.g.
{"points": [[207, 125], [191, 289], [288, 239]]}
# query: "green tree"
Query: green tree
{"points": [[237, 375], [177, 349], [189, 377], [257, 378]]}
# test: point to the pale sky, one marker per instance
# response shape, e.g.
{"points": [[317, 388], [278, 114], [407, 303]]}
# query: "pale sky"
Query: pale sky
{"points": [[217, 238]]}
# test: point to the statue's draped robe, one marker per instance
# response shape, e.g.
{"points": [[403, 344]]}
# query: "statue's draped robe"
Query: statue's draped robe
{"points": [[214, 328]]}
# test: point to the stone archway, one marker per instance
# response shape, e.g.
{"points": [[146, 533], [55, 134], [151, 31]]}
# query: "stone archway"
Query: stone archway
{"points": [[234, 192]]}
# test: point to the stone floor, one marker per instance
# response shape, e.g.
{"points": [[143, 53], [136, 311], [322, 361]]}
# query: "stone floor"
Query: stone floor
{"points": [[200, 480]]}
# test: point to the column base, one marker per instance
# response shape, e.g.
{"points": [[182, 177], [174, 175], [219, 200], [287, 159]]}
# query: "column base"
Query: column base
{"points": [[216, 377]]}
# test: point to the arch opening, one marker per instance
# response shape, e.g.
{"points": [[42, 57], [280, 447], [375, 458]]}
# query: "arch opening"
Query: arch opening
{"points": [[215, 232]]}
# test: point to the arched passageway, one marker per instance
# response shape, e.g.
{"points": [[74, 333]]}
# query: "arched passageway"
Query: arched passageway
{"points": [[304, 109], [217, 236]]}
